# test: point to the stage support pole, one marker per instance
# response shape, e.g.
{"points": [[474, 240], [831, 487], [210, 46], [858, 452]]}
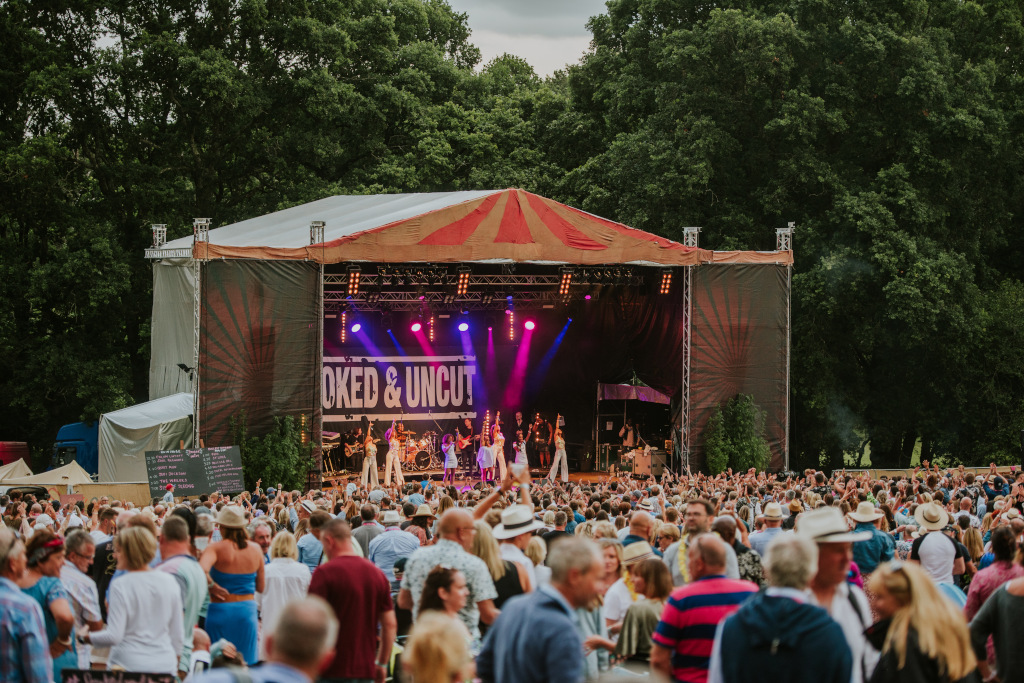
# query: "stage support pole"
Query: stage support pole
{"points": [[691, 238], [200, 236], [784, 242], [316, 236]]}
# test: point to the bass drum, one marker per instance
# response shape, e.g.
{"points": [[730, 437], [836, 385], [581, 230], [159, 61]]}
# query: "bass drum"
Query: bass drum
{"points": [[422, 460]]}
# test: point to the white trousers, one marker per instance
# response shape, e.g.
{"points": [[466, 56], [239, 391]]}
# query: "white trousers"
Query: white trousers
{"points": [[392, 461], [369, 472], [560, 458]]}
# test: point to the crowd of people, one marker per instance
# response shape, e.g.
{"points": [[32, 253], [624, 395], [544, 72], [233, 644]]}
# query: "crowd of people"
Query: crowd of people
{"points": [[738, 577]]}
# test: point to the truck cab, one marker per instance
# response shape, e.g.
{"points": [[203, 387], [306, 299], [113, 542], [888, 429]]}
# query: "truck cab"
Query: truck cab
{"points": [[77, 442]]}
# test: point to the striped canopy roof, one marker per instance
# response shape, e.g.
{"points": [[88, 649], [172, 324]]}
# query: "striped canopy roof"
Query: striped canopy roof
{"points": [[450, 227]]}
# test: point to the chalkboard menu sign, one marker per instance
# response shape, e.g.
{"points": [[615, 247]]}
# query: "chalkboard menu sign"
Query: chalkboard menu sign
{"points": [[195, 471]]}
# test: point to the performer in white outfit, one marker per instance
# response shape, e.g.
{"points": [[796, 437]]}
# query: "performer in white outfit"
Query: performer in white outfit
{"points": [[499, 451], [451, 461], [520, 449], [485, 459], [393, 459], [559, 457], [369, 460]]}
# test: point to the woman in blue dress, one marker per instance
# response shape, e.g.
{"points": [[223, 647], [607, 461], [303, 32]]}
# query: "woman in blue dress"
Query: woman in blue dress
{"points": [[41, 582], [235, 565]]}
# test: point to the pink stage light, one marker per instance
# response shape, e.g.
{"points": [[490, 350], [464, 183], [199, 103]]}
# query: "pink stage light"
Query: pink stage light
{"points": [[416, 327], [587, 297], [530, 325]]}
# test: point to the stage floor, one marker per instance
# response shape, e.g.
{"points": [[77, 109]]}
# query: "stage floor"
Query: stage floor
{"points": [[461, 480]]}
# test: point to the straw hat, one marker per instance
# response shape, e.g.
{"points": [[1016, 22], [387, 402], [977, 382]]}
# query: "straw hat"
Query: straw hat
{"points": [[866, 512], [796, 506], [309, 506], [231, 517], [423, 511], [1011, 514], [516, 520], [391, 518], [645, 505], [931, 517], [826, 525], [773, 511], [637, 552]]}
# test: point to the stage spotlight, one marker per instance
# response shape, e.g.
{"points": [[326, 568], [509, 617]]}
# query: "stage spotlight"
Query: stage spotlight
{"points": [[463, 282], [587, 297], [353, 280], [666, 281], [356, 328], [416, 326], [563, 288], [463, 327], [529, 324], [430, 328]]}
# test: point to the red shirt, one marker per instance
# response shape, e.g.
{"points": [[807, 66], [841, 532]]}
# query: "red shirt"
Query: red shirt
{"points": [[359, 593]]}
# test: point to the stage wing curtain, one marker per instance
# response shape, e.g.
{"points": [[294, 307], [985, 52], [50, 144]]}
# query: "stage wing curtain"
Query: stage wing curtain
{"points": [[173, 333], [739, 346], [259, 345]]}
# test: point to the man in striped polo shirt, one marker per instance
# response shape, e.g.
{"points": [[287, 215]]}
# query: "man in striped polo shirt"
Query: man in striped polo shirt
{"points": [[686, 631]]}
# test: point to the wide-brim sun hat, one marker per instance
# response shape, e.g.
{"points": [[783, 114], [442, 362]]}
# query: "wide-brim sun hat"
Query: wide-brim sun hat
{"points": [[773, 511], [866, 512], [231, 517], [423, 511], [931, 517], [516, 520], [645, 506], [826, 525], [637, 552]]}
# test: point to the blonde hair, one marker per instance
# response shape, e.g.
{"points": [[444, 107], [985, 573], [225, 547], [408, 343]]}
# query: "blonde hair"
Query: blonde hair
{"points": [[941, 630], [536, 551], [974, 543], [604, 529], [444, 505], [486, 548], [603, 543], [670, 530], [137, 545], [436, 651], [284, 545]]}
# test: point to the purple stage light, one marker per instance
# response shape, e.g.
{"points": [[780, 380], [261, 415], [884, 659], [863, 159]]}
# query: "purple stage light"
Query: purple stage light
{"points": [[587, 297], [530, 325], [356, 328], [463, 327], [416, 327]]}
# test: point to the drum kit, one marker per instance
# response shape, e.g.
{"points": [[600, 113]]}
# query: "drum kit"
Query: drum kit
{"points": [[420, 454]]}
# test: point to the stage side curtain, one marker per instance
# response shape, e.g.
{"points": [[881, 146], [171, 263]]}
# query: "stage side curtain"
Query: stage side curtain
{"points": [[259, 345], [739, 346], [173, 327]]}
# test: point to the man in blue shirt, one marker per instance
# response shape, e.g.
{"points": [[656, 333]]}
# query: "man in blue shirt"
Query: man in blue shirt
{"points": [[879, 548], [24, 647], [299, 647], [391, 545], [535, 638], [311, 551]]}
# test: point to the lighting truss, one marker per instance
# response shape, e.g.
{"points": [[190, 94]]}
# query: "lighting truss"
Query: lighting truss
{"points": [[353, 280]]}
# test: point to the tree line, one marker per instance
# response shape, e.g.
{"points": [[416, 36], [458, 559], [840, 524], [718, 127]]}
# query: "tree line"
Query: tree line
{"points": [[889, 132]]}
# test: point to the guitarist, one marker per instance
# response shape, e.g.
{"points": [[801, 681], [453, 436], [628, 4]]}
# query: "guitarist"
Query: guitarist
{"points": [[467, 448]]}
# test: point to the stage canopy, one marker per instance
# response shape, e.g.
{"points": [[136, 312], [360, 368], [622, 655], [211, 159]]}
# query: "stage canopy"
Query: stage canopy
{"points": [[630, 392], [491, 226]]}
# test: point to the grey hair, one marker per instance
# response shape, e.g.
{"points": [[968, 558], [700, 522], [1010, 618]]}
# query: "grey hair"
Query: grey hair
{"points": [[569, 554], [204, 525], [10, 547], [76, 540], [306, 630], [791, 562]]}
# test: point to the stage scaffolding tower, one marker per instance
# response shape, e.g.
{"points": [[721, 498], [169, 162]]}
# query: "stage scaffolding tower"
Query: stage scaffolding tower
{"points": [[200, 235], [691, 238], [784, 242]]}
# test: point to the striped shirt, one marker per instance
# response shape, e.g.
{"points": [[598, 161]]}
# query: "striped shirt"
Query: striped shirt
{"points": [[688, 622]]}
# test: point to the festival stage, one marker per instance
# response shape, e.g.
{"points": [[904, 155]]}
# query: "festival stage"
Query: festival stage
{"points": [[461, 481]]}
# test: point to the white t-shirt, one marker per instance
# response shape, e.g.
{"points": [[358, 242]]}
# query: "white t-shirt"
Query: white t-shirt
{"points": [[853, 622], [937, 553], [617, 600]]}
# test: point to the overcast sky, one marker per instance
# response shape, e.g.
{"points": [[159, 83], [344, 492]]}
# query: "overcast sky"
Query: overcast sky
{"points": [[546, 33]]}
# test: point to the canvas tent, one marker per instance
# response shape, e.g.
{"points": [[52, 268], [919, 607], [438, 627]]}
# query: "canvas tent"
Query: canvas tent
{"points": [[72, 474], [13, 470], [125, 435]]}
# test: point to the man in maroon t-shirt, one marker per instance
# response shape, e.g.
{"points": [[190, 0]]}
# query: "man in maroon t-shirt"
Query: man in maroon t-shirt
{"points": [[360, 595]]}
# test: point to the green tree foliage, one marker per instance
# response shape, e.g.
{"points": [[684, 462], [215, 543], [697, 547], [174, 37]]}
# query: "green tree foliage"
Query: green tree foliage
{"points": [[735, 437], [278, 457]]}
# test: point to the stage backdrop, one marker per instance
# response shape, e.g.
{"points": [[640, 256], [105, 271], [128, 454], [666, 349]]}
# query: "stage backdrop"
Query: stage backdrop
{"points": [[740, 346], [258, 345]]}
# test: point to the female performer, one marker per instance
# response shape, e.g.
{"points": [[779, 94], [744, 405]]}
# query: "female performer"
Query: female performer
{"points": [[485, 459], [451, 461], [369, 460], [499, 451], [559, 457], [520, 449], [393, 460]]}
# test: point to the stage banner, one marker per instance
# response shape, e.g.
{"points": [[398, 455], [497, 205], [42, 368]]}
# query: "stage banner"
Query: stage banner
{"points": [[398, 387]]}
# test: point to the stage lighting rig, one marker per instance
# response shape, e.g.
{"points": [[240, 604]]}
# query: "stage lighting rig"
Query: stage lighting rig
{"points": [[563, 287], [462, 286], [666, 282], [344, 326], [354, 275]]}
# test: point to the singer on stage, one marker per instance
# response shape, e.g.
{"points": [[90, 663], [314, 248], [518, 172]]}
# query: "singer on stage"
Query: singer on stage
{"points": [[393, 459]]}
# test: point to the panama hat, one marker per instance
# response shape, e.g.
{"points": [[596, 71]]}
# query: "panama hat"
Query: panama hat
{"points": [[866, 512], [645, 505], [391, 518], [309, 506], [423, 511], [931, 517], [637, 552], [516, 520], [773, 511], [826, 525], [1011, 514], [796, 506], [231, 517]]}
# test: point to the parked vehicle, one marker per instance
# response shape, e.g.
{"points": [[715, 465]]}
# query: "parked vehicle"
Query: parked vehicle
{"points": [[77, 442]]}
